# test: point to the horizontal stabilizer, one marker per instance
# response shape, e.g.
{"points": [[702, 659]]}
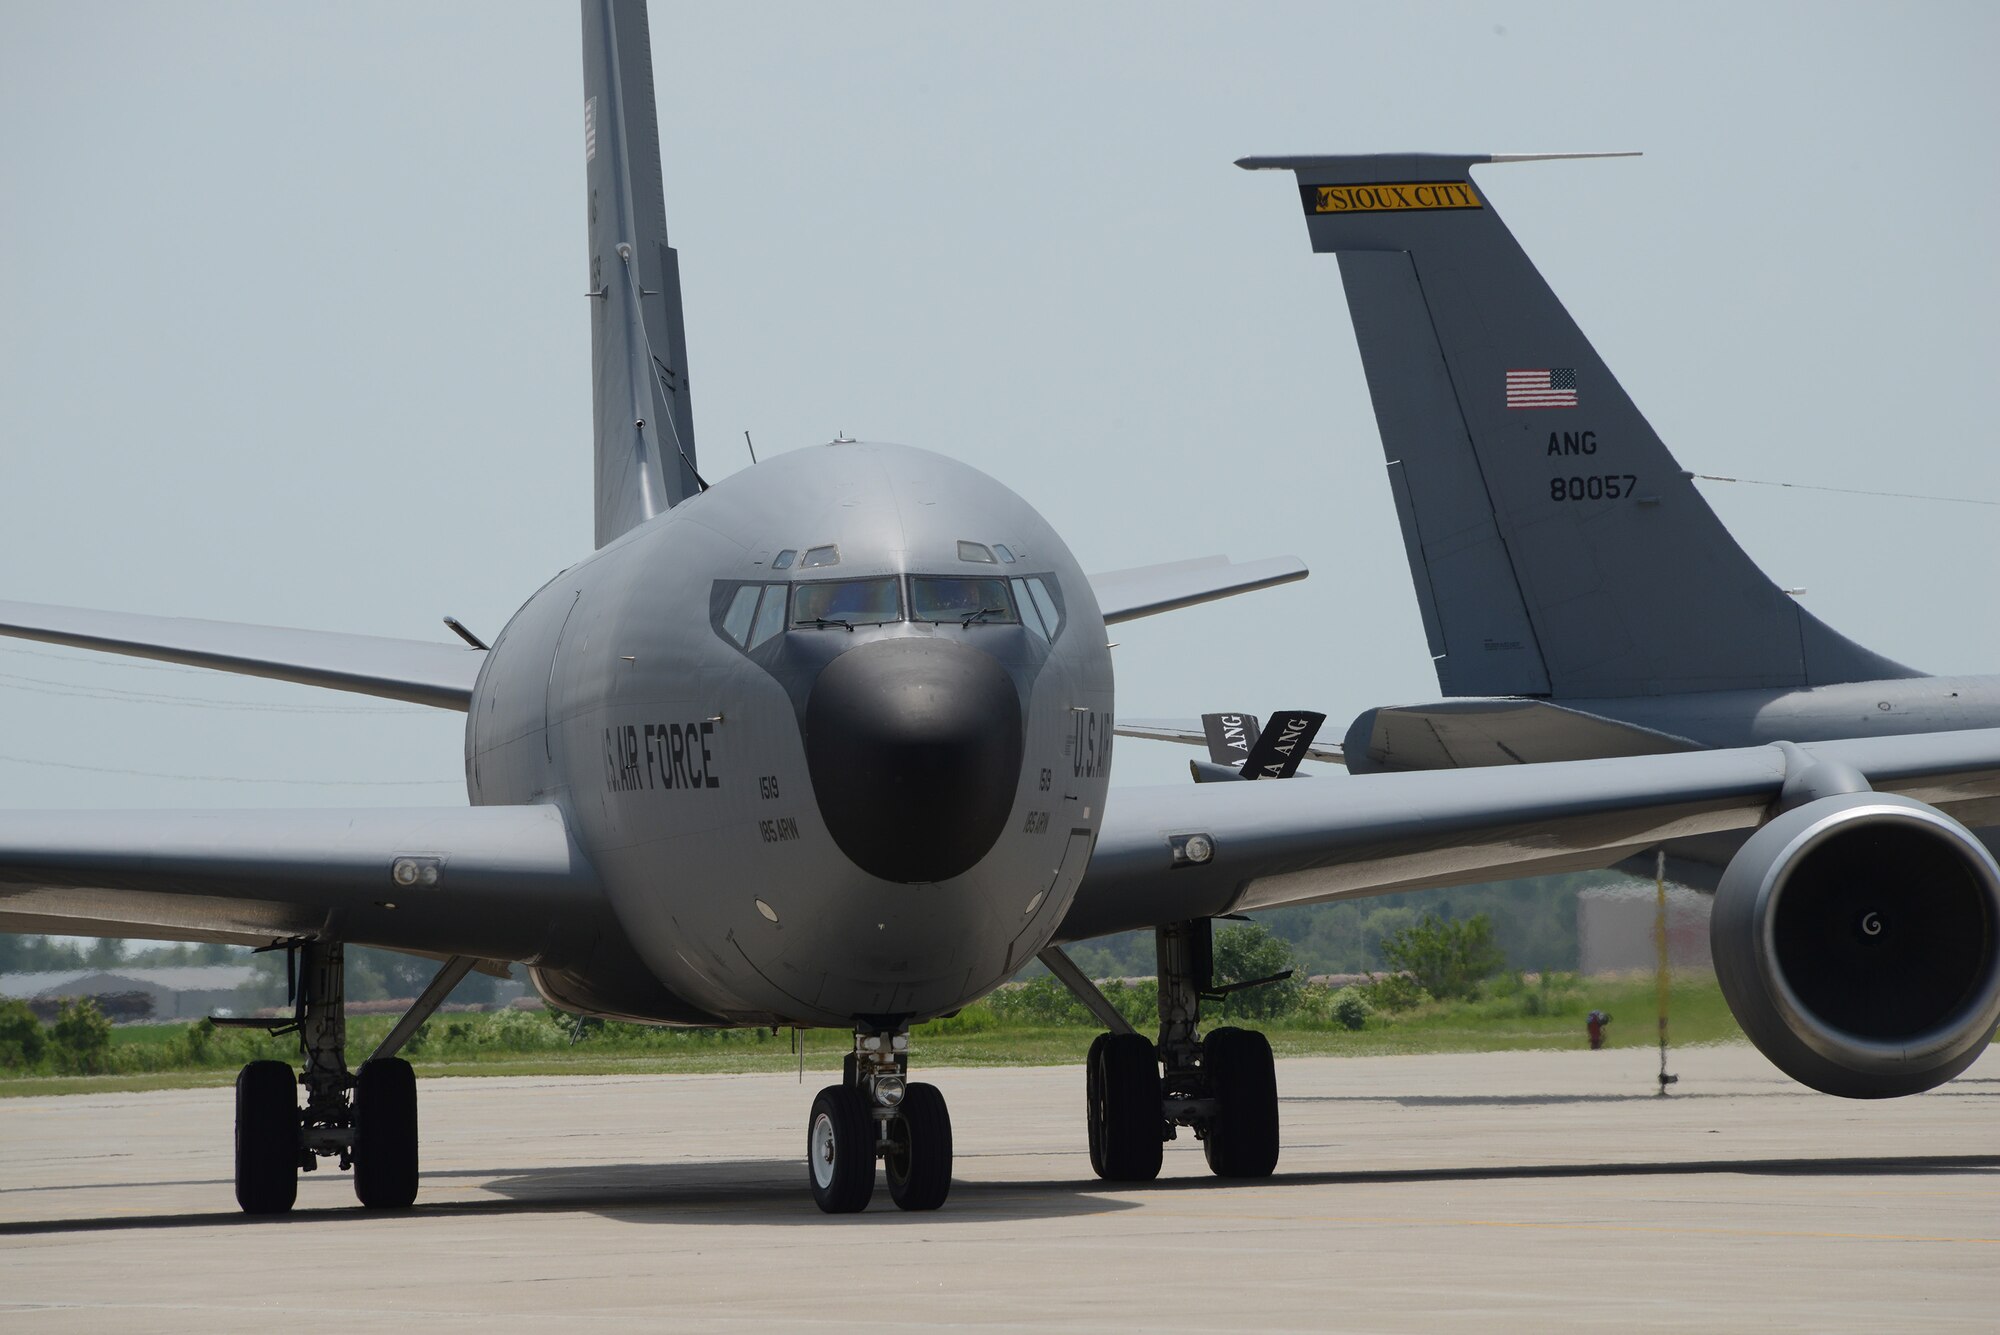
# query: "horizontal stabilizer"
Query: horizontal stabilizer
{"points": [[498, 883], [1143, 591], [1467, 734], [1277, 753], [1230, 737], [417, 671], [1207, 771]]}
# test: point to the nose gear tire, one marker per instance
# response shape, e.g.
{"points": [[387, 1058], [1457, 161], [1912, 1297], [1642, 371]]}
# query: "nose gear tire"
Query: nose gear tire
{"points": [[918, 1164], [840, 1150]]}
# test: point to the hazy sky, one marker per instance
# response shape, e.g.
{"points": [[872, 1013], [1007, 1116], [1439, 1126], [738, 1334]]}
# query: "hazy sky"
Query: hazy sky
{"points": [[292, 325]]}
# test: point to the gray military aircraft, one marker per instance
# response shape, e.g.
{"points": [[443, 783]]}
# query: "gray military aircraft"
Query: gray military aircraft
{"points": [[827, 744], [708, 764], [1579, 596]]}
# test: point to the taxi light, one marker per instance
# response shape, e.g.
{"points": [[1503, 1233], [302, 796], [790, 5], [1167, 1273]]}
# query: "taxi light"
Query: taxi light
{"points": [[416, 871]]}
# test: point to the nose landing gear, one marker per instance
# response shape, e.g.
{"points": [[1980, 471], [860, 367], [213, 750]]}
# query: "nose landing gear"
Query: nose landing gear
{"points": [[877, 1113]]}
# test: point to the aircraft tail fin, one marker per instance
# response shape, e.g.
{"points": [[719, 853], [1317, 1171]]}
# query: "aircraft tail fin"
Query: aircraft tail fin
{"points": [[638, 342], [1556, 546]]}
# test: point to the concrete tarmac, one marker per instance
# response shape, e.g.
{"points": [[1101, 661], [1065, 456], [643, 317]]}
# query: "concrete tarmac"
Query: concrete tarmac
{"points": [[1535, 1192]]}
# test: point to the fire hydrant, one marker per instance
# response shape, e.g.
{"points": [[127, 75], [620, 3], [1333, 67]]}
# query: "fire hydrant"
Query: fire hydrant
{"points": [[1595, 1024]]}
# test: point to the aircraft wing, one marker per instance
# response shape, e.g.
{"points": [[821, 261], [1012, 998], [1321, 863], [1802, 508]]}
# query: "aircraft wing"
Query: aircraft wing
{"points": [[508, 880], [1305, 843], [418, 671], [1143, 591]]}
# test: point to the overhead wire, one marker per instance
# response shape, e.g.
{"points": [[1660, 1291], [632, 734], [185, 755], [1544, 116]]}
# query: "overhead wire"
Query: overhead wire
{"points": [[232, 778], [44, 686], [91, 658], [14, 681], [1844, 491]]}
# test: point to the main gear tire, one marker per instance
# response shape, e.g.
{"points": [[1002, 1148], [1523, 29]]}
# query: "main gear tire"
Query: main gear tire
{"points": [[1242, 1140], [385, 1134], [1122, 1108], [267, 1138]]}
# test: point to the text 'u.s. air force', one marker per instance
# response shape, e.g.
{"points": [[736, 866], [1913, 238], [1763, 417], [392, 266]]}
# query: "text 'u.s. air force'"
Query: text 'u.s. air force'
{"points": [[1390, 197], [659, 755]]}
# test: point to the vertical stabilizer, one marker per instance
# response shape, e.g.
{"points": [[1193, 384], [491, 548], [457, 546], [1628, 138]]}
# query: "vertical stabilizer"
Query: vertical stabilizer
{"points": [[638, 343], [1556, 546]]}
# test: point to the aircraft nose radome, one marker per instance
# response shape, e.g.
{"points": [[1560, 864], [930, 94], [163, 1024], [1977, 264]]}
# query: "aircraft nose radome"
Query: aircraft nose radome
{"points": [[914, 746]]}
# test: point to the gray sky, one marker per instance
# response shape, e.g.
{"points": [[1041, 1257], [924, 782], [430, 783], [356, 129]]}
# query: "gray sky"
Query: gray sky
{"points": [[292, 326]]}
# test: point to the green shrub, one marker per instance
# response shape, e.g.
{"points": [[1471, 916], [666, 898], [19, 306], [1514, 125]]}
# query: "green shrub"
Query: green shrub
{"points": [[1394, 992], [194, 1046], [22, 1041], [524, 1031], [1448, 957], [81, 1038], [1350, 1009], [1246, 951], [1039, 1001], [978, 1018]]}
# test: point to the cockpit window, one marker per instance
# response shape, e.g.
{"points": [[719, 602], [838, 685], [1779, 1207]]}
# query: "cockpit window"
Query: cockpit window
{"points": [[847, 602], [1000, 550], [972, 599], [742, 607], [1030, 617], [783, 560], [1040, 604], [818, 557], [975, 551], [770, 614]]}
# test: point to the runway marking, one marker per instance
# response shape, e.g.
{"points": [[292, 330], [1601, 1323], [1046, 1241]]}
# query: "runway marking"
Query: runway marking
{"points": [[1591, 1227]]}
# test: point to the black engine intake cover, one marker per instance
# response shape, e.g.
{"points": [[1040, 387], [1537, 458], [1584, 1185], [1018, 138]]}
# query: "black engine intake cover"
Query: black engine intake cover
{"points": [[1857, 941]]}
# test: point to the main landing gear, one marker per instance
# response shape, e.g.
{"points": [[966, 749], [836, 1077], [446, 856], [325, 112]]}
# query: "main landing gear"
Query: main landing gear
{"points": [[1138, 1093], [367, 1119], [877, 1113]]}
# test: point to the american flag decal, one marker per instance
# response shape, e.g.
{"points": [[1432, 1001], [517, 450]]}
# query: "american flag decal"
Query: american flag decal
{"points": [[1552, 387]]}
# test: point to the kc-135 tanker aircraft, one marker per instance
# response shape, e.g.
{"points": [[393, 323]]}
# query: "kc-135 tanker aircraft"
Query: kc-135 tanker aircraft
{"points": [[827, 744], [1579, 597]]}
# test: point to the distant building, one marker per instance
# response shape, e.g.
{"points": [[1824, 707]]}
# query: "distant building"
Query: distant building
{"points": [[179, 992], [1614, 929]]}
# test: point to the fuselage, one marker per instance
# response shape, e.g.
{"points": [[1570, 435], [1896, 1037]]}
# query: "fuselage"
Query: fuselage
{"points": [[1810, 714], [835, 736]]}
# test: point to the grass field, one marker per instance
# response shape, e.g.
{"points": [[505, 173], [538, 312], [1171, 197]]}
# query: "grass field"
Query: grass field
{"points": [[1508, 1016]]}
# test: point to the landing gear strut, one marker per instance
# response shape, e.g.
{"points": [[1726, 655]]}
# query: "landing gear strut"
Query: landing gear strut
{"points": [[367, 1119], [877, 1113], [1138, 1093]]}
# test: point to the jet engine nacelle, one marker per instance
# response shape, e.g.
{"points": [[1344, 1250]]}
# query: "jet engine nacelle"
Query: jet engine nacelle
{"points": [[1857, 941]]}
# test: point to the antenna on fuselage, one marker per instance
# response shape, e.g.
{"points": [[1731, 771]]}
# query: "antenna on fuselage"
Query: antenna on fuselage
{"points": [[753, 448], [458, 629]]}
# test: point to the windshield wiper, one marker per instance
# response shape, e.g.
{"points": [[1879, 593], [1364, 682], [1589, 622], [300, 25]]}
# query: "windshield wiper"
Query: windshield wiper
{"points": [[821, 623], [980, 615]]}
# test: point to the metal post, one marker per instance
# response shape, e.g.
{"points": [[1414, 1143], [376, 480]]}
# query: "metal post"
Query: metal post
{"points": [[1661, 976]]}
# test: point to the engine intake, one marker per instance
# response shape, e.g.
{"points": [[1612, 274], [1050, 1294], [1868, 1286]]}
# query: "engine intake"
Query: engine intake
{"points": [[1857, 941]]}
